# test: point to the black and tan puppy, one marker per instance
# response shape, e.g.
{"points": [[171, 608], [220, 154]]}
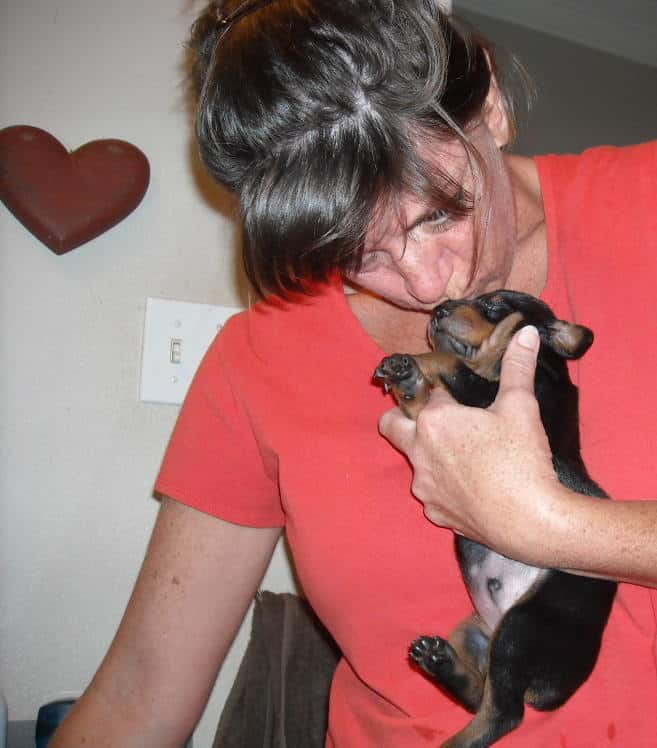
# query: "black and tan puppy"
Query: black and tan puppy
{"points": [[536, 633]]}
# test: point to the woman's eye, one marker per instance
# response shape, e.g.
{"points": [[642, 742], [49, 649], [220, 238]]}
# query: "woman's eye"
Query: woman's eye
{"points": [[438, 218]]}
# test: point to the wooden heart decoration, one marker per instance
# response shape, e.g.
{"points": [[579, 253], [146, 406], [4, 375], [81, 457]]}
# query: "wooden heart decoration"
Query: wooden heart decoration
{"points": [[66, 199]]}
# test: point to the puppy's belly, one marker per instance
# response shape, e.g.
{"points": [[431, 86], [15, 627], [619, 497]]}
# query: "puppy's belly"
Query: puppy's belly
{"points": [[496, 583]]}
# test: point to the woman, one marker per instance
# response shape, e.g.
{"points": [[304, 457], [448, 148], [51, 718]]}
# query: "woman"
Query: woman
{"points": [[364, 142]]}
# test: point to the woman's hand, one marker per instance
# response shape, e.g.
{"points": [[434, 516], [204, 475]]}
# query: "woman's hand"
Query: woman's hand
{"points": [[486, 473]]}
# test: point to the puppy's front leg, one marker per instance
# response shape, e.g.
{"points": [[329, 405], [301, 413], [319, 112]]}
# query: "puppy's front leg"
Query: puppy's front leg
{"points": [[411, 377]]}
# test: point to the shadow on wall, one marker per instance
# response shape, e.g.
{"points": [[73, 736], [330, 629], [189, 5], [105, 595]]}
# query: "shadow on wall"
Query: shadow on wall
{"points": [[224, 203], [211, 193], [584, 97]]}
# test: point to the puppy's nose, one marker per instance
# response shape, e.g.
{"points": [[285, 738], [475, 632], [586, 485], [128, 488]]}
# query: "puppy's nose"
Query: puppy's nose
{"points": [[444, 310], [439, 315]]}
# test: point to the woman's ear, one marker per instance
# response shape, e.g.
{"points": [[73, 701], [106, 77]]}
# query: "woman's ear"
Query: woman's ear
{"points": [[496, 115]]}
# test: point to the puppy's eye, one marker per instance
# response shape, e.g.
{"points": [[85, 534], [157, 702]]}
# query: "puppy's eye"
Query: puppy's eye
{"points": [[495, 307]]}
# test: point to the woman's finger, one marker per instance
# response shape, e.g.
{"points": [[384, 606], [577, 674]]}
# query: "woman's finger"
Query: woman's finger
{"points": [[397, 428]]}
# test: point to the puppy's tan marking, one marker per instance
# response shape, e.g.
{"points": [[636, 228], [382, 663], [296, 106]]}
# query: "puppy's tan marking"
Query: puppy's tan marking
{"points": [[486, 362]]}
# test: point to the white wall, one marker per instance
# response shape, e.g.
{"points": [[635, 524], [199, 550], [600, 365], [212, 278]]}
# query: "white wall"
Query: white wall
{"points": [[78, 451]]}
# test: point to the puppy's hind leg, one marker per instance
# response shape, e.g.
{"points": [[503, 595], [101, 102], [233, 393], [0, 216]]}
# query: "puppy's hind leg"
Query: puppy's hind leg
{"points": [[502, 704], [459, 665], [501, 711]]}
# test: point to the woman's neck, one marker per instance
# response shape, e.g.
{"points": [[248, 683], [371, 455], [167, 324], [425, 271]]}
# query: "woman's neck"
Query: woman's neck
{"points": [[530, 267]]}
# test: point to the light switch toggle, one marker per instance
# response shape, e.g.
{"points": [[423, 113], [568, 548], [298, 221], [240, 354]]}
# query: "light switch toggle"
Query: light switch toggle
{"points": [[176, 336], [175, 351]]}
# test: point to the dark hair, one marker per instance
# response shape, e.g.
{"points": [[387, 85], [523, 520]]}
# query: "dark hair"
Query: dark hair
{"points": [[311, 112]]}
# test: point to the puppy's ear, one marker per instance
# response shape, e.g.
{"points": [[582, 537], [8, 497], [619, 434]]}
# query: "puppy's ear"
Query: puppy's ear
{"points": [[567, 339]]}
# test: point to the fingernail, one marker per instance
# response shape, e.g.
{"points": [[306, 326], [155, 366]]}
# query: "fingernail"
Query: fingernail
{"points": [[528, 338]]}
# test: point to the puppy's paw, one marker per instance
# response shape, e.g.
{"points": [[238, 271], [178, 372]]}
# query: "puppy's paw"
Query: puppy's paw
{"points": [[434, 655], [399, 373]]}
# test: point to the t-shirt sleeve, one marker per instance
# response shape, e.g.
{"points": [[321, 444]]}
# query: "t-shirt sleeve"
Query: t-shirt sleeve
{"points": [[213, 461]]}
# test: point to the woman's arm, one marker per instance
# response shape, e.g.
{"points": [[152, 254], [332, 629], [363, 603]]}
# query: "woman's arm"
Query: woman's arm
{"points": [[488, 475], [197, 580]]}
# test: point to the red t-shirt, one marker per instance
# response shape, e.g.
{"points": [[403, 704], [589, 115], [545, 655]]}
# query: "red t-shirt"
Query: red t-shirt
{"points": [[280, 428]]}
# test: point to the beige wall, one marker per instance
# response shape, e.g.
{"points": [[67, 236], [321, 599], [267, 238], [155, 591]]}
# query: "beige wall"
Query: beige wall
{"points": [[78, 451]]}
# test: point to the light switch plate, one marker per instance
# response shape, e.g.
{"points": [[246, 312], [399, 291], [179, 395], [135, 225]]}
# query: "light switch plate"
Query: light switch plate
{"points": [[176, 336]]}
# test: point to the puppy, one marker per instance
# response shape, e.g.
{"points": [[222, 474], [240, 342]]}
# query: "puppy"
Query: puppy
{"points": [[536, 633]]}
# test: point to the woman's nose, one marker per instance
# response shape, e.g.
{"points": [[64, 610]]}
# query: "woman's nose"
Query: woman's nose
{"points": [[425, 277]]}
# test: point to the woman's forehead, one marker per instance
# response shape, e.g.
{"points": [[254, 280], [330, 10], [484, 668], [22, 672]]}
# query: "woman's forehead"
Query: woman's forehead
{"points": [[399, 213]]}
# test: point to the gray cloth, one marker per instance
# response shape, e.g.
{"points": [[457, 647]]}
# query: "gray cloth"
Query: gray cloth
{"points": [[280, 696]]}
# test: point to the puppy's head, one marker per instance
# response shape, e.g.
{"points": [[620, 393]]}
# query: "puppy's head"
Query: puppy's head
{"points": [[479, 330]]}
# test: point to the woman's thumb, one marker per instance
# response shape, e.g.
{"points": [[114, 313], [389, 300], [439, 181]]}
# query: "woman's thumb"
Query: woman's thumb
{"points": [[519, 360]]}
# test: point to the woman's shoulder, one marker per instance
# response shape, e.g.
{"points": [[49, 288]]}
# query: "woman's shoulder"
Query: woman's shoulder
{"points": [[577, 188], [609, 160], [275, 325]]}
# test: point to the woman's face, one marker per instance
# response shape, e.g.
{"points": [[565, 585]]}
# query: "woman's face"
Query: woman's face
{"points": [[426, 257]]}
